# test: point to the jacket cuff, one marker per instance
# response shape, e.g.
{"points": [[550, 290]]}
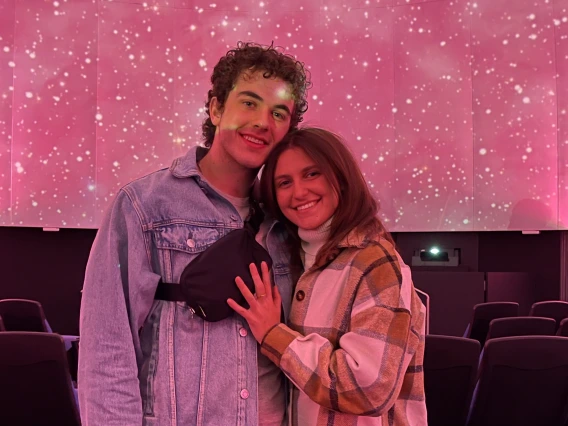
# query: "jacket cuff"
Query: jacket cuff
{"points": [[276, 341]]}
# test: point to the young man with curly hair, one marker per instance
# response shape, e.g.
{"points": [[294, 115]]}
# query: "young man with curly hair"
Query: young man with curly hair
{"points": [[146, 360]]}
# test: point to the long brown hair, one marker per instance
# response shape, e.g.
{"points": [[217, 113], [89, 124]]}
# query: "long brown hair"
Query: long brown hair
{"points": [[357, 209]]}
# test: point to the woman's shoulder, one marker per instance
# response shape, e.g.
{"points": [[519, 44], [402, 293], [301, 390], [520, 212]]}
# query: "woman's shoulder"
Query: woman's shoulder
{"points": [[363, 247], [376, 247], [377, 254]]}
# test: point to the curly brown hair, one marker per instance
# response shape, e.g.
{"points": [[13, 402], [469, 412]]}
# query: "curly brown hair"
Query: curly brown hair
{"points": [[255, 57]]}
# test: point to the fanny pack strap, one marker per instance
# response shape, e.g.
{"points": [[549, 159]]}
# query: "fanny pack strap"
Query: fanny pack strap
{"points": [[171, 292], [255, 217]]}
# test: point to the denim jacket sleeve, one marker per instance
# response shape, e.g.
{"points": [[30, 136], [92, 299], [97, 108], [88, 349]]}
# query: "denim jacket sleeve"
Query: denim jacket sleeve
{"points": [[117, 296]]}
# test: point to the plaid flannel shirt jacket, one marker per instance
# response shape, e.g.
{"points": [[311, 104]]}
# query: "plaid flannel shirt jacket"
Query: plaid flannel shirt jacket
{"points": [[354, 345]]}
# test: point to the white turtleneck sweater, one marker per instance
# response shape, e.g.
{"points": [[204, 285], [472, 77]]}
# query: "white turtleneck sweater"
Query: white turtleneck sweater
{"points": [[312, 241]]}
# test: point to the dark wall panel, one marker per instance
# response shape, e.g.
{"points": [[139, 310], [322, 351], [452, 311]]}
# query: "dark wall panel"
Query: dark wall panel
{"points": [[538, 255], [452, 297], [48, 267], [511, 287]]}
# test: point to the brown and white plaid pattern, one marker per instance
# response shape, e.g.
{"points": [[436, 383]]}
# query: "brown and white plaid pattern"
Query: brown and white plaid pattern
{"points": [[354, 347]]}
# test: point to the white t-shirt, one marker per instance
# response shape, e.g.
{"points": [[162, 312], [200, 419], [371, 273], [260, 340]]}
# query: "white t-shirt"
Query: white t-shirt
{"points": [[271, 396]]}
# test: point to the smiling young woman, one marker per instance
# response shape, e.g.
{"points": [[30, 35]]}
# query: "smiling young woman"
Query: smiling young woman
{"points": [[354, 343], [333, 162]]}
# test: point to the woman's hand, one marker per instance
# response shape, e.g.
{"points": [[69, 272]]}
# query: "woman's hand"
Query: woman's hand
{"points": [[265, 305]]}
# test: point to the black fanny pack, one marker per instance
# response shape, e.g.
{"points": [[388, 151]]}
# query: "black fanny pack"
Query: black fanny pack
{"points": [[209, 280]]}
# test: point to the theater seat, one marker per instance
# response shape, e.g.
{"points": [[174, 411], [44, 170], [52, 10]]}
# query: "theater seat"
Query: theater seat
{"points": [[23, 315], [563, 328], [521, 326], [450, 369], [35, 385], [522, 382], [484, 313], [555, 309]]}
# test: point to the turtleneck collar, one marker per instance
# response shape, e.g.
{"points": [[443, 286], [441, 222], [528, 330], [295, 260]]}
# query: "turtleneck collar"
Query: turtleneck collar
{"points": [[313, 240]]}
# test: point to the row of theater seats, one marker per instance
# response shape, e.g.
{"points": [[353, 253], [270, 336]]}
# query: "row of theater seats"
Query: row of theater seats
{"points": [[484, 313], [518, 381], [520, 378], [507, 370]]}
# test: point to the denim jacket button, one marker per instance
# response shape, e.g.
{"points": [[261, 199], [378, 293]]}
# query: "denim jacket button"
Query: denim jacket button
{"points": [[191, 243], [243, 332], [244, 394]]}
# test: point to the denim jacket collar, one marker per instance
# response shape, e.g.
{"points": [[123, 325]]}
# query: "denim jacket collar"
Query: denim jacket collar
{"points": [[186, 166]]}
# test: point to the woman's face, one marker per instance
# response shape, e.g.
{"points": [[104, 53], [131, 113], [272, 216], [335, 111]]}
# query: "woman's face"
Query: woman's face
{"points": [[304, 194]]}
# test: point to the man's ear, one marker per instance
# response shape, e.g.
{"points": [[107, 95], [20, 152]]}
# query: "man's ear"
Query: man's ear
{"points": [[215, 111]]}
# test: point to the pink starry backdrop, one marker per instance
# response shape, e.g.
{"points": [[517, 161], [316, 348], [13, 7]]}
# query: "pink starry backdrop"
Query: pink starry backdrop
{"points": [[456, 110]]}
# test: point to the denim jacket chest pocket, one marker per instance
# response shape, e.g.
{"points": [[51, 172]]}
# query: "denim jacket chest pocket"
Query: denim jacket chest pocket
{"points": [[177, 244]]}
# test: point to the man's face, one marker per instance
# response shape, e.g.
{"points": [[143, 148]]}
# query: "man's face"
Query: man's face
{"points": [[255, 117]]}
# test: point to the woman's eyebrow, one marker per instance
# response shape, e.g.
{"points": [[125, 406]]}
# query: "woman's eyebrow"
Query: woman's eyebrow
{"points": [[304, 170]]}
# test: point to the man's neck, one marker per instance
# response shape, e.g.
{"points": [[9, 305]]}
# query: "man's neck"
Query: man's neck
{"points": [[226, 175]]}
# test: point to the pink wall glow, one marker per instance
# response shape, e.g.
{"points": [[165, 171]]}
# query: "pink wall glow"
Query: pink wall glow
{"points": [[457, 110]]}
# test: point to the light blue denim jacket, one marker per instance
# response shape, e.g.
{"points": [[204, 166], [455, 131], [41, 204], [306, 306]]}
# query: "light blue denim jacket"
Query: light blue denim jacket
{"points": [[147, 362]]}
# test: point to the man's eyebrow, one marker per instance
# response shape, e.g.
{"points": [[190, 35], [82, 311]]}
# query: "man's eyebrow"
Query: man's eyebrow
{"points": [[251, 94], [259, 98]]}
